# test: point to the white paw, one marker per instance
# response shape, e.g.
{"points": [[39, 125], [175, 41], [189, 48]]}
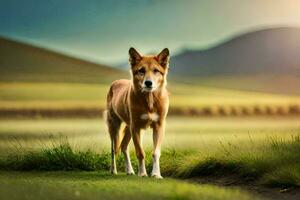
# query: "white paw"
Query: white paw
{"points": [[130, 172], [114, 172], [143, 174], [157, 176]]}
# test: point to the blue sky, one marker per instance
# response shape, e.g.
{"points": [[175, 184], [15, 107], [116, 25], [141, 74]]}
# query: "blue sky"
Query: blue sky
{"points": [[103, 31]]}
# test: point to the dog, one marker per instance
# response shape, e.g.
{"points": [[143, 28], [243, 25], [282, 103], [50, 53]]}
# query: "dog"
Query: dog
{"points": [[140, 103]]}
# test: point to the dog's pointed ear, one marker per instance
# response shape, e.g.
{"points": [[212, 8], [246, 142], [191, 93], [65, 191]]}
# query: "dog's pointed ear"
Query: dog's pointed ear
{"points": [[163, 57], [134, 57]]}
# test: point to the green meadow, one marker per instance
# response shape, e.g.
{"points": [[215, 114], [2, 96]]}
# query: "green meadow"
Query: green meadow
{"points": [[204, 134], [101, 185], [69, 158]]}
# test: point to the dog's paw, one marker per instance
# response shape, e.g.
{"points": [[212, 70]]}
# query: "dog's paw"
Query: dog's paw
{"points": [[114, 172], [157, 176], [143, 175], [130, 173]]}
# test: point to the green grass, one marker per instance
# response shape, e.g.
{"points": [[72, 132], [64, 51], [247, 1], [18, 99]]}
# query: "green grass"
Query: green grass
{"points": [[67, 157], [60, 157], [203, 134], [263, 149], [101, 185], [277, 164]]}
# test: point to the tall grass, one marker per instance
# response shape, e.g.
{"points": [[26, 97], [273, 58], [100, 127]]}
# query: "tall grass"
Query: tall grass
{"points": [[276, 164], [60, 157]]}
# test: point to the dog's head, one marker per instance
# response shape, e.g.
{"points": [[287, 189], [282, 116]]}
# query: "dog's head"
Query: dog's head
{"points": [[149, 72]]}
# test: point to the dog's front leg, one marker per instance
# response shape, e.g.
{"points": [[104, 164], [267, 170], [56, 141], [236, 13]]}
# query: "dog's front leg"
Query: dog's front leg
{"points": [[158, 134], [140, 154]]}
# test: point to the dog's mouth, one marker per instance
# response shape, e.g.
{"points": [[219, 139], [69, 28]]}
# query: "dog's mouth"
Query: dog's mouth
{"points": [[148, 89]]}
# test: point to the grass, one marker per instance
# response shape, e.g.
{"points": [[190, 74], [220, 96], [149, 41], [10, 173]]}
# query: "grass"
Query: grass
{"points": [[276, 165], [202, 134], [67, 157], [202, 100], [263, 149], [95, 185], [60, 157]]}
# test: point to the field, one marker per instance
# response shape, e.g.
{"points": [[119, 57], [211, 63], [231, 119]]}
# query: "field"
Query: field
{"points": [[100, 185], [268, 83], [248, 149], [203, 134], [38, 98]]}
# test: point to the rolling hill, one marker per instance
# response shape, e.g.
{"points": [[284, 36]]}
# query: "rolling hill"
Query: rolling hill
{"points": [[20, 62], [266, 51], [266, 60]]}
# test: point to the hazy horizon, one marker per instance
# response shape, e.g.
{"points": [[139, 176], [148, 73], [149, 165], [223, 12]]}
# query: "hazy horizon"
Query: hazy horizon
{"points": [[103, 31]]}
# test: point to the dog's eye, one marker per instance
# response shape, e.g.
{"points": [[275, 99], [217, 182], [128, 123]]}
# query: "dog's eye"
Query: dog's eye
{"points": [[156, 71], [141, 71]]}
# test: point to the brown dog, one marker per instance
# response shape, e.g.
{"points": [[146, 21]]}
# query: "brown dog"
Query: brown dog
{"points": [[139, 103]]}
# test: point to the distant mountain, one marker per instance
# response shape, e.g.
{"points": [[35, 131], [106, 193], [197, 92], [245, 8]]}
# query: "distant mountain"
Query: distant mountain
{"points": [[24, 62], [270, 51]]}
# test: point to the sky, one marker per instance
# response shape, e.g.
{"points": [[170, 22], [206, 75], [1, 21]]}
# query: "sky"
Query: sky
{"points": [[103, 31]]}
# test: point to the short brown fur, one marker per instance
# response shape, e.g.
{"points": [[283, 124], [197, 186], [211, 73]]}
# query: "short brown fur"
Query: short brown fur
{"points": [[139, 106]]}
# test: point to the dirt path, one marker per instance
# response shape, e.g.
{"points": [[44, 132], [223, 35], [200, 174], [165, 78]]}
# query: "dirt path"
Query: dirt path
{"points": [[252, 188]]}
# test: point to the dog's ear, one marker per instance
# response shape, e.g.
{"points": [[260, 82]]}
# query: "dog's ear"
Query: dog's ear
{"points": [[134, 57], [163, 57]]}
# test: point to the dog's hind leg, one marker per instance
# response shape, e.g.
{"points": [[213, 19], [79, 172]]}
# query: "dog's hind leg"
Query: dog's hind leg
{"points": [[114, 123], [125, 150]]}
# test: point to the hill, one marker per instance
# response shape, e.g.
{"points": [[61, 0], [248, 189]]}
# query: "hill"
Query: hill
{"points": [[21, 62], [273, 51], [261, 61]]}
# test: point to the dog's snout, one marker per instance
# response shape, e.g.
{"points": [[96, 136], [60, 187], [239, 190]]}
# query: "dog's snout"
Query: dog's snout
{"points": [[148, 83]]}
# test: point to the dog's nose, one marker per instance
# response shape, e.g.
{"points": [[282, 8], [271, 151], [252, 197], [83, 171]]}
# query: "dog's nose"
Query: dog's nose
{"points": [[148, 83]]}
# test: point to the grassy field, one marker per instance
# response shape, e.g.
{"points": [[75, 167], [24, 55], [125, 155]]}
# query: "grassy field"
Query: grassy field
{"points": [[101, 185], [34, 144], [241, 145], [201, 100], [204, 134], [261, 150]]}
